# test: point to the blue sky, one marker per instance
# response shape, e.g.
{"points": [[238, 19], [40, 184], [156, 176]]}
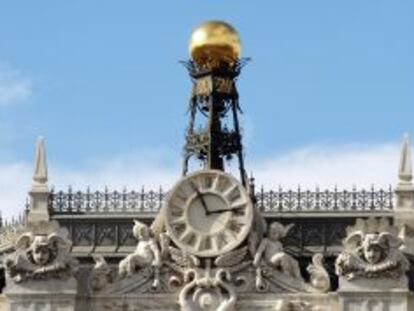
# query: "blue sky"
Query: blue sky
{"points": [[101, 81]]}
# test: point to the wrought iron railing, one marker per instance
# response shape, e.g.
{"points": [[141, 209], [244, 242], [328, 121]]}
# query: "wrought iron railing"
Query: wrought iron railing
{"points": [[284, 201], [106, 201], [325, 201]]}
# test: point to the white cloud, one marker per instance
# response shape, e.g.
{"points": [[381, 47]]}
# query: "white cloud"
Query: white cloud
{"points": [[325, 166], [132, 171], [14, 87], [14, 183]]}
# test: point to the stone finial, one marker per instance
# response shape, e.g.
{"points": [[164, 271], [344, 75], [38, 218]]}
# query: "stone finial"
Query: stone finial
{"points": [[39, 194], [405, 188], [40, 167], [405, 173]]}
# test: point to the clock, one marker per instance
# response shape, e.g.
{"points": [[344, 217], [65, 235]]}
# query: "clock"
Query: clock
{"points": [[208, 213]]}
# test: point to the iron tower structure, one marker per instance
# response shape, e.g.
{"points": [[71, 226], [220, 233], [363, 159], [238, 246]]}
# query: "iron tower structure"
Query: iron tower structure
{"points": [[213, 135]]}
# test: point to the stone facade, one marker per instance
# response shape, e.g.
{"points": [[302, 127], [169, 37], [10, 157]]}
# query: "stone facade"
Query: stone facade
{"points": [[42, 274]]}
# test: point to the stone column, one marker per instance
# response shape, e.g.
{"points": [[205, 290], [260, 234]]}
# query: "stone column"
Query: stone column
{"points": [[48, 295], [373, 295]]}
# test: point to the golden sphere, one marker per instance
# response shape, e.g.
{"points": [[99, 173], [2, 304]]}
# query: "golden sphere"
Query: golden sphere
{"points": [[214, 42]]}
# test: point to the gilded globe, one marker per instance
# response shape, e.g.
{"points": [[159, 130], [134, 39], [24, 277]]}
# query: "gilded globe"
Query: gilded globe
{"points": [[214, 42]]}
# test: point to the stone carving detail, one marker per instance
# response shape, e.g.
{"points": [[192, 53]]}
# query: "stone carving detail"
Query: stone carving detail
{"points": [[270, 252], [277, 271], [42, 252], [180, 262], [235, 263], [10, 232], [159, 266], [147, 254], [372, 251], [101, 274], [208, 293], [283, 305], [319, 277]]}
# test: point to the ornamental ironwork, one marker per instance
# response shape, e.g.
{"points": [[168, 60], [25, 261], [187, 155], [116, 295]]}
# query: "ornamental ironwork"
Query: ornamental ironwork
{"points": [[106, 201], [213, 133], [325, 201], [267, 201]]}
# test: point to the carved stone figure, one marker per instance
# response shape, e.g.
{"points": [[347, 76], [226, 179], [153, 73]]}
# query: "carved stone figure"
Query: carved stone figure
{"points": [[271, 251], [41, 253], [101, 273], [147, 253], [319, 277], [372, 251]]}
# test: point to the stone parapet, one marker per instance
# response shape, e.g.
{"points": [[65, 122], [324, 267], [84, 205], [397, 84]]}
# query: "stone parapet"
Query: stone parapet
{"points": [[51, 295]]}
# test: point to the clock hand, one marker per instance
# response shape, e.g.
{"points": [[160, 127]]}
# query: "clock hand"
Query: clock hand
{"points": [[200, 195], [204, 204], [217, 211]]}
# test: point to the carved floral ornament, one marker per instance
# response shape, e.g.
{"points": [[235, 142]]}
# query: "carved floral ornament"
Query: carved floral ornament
{"points": [[208, 293], [372, 250], [42, 252]]}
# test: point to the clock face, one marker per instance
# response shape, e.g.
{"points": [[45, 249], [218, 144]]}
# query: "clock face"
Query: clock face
{"points": [[208, 213]]}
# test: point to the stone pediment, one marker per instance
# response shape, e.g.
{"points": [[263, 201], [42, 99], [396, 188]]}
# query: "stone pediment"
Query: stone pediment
{"points": [[260, 275], [244, 281]]}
